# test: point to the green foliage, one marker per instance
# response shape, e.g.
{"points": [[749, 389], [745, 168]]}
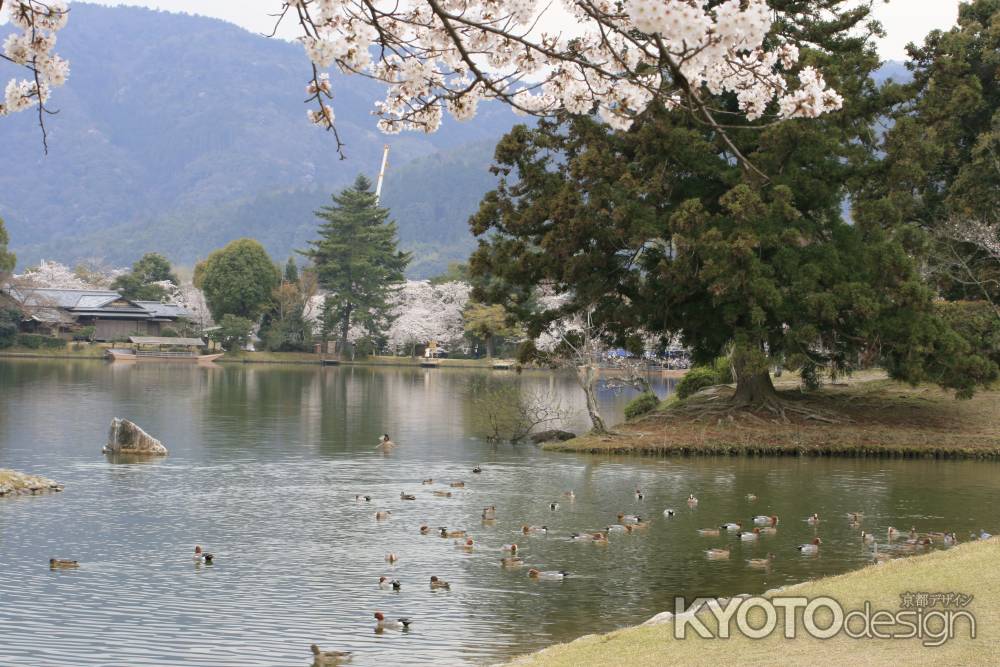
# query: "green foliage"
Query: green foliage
{"points": [[10, 320], [723, 368], [810, 374], [695, 380], [356, 261], [37, 341], [238, 280], [977, 323], [136, 284], [457, 272], [233, 332], [8, 260], [87, 333], [291, 271], [642, 404], [169, 332], [487, 322]]}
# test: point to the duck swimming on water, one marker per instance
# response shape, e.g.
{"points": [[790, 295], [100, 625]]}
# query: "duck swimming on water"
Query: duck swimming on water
{"points": [[202, 556], [384, 443], [328, 658], [62, 564]]}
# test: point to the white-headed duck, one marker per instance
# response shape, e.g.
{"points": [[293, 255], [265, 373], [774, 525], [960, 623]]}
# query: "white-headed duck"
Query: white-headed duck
{"points": [[692, 501], [439, 583], [382, 623], [547, 575], [761, 562], [813, 520], [811, 547], [328, 658], [717, 554]]}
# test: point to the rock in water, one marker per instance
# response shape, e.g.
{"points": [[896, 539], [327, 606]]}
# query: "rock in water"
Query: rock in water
{"points": [[13, 483], [551, 436], [127, 438]]}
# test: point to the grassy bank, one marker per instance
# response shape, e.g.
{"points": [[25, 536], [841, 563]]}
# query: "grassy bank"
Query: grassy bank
{"points": [[70, 351], [866, 416], [310, 358], [14, 483], [968, 568]]}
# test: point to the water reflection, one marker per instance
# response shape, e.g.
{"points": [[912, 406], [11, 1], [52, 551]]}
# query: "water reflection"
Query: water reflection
{"points": [[264, 466]]}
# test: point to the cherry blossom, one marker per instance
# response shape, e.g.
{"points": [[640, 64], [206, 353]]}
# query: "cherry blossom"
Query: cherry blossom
{"points": [[32, 50]]}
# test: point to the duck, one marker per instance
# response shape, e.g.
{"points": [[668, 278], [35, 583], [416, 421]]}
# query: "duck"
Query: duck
{"points": [[749, 536], [751, 497], [913, 533], [569, 494], [457, 485], [202, 556], [359, 499], [617, 528], [512, 561], [638, 494], [983, 535], [533, 530], [328, 658], [878, 556], [811, 547], [424, 529], [391, 557], [553, 506], [639, 525], [386, 582], [867, 538], [628, 518], [439, 584], [442, 494], [62, 563], [692, 501], [444, 532], [813, 520], [429, 480], [407, 496], [382, 515], [855, 517], [512, 548], [768, 530], [548, 575], [892, 533], [587, 537], [761, 562], [949, 539], [732, 527], [467, 545], [385, 443], [717, 554], [391, 624], [490, 513], [669, 513], [708, 532], [765, 520], [477, 470]]}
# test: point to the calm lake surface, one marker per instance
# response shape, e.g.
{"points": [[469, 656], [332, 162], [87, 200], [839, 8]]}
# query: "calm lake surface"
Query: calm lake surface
{"points": [[265, 463]]}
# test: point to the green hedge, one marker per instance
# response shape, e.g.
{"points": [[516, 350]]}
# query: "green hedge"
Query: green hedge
{"points": [[695, 380], [37, 341], [641, 404]]}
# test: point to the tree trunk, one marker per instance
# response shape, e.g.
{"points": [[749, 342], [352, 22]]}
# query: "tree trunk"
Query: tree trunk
{"points": [[489, 346], [345, 328], [754, 389], [587, 375]]}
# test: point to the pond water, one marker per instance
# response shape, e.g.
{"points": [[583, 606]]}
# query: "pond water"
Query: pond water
{"points": [[264, 466]]}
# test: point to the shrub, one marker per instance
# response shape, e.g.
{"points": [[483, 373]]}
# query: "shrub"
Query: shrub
{"points": [[641, 404], [723, 370], [695, 380], [169, 332], [9, 319], [36, 341], [84, 333]]}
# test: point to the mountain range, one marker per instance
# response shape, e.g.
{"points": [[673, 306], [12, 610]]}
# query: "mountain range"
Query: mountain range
{"points": [[179, 133]]}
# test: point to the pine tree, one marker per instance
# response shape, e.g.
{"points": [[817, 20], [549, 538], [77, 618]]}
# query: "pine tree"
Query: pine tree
{"points": [[357, 261]]}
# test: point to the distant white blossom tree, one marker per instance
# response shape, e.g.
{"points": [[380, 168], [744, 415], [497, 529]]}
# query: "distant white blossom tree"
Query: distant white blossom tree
{"points": [[53, 275]]}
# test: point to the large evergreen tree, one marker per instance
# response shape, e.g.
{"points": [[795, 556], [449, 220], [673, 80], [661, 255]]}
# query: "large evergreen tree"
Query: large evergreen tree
{"points": [[238, 280], [7, 259], [357, 261], [663, 228], [139, 283]]}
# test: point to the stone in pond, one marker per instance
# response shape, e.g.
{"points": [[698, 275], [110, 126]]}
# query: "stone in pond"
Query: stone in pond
{"points": [[551, 436], [14, 483], [125, 437]]}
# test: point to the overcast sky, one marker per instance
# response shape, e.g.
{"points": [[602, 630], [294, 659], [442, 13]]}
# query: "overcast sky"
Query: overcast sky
{"points": [[904, 20]]}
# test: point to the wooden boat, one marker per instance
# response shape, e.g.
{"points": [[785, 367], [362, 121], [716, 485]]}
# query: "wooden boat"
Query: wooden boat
{"points": [[151, 348]]}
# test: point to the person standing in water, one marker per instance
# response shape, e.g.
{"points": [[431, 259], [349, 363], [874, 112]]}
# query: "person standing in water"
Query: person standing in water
{"points": [[385, 444]]}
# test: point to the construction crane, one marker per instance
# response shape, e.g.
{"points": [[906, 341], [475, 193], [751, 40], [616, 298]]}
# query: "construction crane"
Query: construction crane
{"points": [[381, 173]]}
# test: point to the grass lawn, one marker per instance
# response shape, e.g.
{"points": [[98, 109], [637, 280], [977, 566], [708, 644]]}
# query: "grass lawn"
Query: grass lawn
{"points": [[968, 568], [867, 415]]}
